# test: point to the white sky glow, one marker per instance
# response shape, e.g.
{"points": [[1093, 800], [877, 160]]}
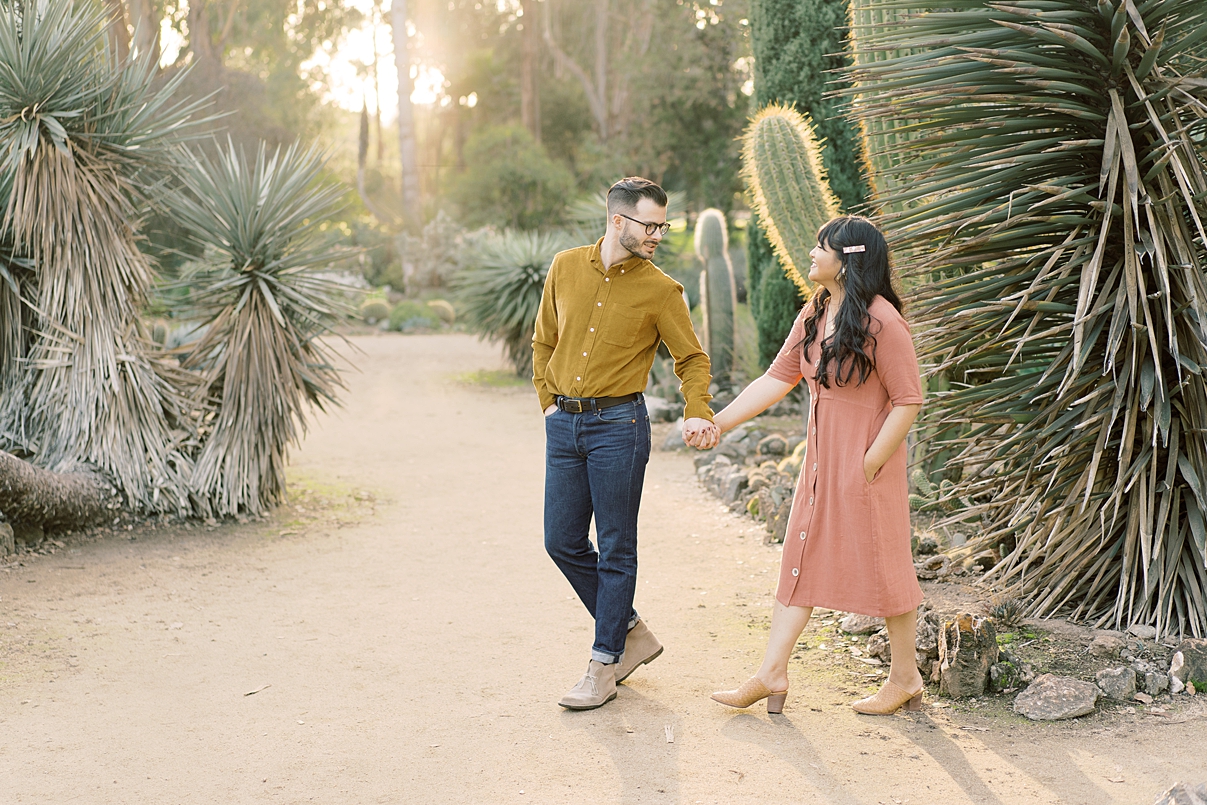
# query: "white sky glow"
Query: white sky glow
{"points": [[346, 68]]}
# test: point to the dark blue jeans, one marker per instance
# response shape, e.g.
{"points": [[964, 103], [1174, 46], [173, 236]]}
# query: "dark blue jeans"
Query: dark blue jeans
{"points": [[595, 466]]}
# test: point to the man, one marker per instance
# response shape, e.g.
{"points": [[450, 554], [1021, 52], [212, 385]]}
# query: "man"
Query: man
{"points": [[604, 309]]}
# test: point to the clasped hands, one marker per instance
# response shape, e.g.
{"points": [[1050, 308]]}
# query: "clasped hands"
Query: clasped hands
{"points": [[700, 433]]}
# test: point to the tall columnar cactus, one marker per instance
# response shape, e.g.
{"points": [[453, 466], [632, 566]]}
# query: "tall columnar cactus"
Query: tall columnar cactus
{"points": [[718, 292], [883, 138], [781, 161]]}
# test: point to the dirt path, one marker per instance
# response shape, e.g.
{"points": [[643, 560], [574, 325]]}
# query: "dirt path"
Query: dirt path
{"points": [[414, 648]]}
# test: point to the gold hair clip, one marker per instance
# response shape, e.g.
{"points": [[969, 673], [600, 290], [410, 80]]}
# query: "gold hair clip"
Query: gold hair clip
{"points": [[852, 249]]}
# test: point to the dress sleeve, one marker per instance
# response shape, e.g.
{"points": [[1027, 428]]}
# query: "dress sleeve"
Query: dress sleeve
{"points": [[896, 360], [786, 367]]}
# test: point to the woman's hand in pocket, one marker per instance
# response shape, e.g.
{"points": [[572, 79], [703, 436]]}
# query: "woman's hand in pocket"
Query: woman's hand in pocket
{"points": [[549, 411], [870, 468]]}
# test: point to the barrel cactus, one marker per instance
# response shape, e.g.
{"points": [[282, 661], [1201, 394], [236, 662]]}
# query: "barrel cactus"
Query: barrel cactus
{"points": [[374, 310], [781, 161], [718, 294]]}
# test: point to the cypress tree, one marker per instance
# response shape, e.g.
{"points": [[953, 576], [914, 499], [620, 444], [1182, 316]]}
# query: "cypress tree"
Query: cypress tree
{"points": [[794, 43]]}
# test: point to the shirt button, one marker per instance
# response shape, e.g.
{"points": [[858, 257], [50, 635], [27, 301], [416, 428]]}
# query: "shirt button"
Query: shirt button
{"points": [[599, 304], [815, 468], [810, 501], [795, 571], [584, 354], [802, 535], [592, 329], [607, 279], [578, 378]]}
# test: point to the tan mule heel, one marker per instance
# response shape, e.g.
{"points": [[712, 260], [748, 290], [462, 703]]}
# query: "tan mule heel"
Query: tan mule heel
{"points": [[750, 692], [888, 700]]}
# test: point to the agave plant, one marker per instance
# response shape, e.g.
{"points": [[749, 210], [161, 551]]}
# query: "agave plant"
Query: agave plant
{"points": [[83, 138], [266, 310], [500, 288], [1053, 189]]}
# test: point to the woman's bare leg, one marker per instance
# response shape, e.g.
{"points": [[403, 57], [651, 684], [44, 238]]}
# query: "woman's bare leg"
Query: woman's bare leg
{"points": [[786, 625], [902, 638]]}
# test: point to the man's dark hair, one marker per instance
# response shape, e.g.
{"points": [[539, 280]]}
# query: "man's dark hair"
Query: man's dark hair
{"points": [[625, 194]]}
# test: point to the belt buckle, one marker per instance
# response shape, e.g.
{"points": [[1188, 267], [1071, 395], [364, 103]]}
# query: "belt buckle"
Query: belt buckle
{"points": [[578, 406]]}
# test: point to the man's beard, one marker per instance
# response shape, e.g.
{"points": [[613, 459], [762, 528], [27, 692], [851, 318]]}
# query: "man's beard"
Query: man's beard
{"points": [[636, 246]]}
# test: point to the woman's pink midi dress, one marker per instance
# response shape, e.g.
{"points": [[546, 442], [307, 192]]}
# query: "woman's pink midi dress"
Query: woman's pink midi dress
{"points": [[847, 544]]}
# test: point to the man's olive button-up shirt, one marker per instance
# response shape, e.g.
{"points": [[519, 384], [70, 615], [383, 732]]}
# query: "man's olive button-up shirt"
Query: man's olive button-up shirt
{"points": [[598, 328]]}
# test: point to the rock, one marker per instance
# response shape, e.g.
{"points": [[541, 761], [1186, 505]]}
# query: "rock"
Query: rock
{"points": [[1142, 631], [1153, 683], [1053, 698], [27, 535], [735, 450], [1176, 685], [860, 624], [1193, 665], [967, 647], [926, 642], [934, 567], [1003, 676], [7, 543], [1143, 698], [1117, 683], [660, 410], [757, 479], [704, 458], [773, 445], [1106, 644], [732, 486], [927, 546], [674, 437], [777, 525], [878, 647], [1183, 794]]}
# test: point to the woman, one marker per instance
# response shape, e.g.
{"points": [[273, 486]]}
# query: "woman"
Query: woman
{"points": [[847, 544]]}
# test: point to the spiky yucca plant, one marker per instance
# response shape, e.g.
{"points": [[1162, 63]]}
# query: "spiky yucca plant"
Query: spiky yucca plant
{"points": [[83, 136], [881, 141], [781, 161], [266, 311], [500, 288], [1055, 193]]}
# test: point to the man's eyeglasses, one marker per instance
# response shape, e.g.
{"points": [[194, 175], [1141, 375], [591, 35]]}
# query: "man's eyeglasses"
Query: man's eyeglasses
{"points": [[649, 228]]}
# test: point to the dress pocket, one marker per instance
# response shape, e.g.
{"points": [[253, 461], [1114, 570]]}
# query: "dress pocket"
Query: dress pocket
{"points": [[621, 325]]}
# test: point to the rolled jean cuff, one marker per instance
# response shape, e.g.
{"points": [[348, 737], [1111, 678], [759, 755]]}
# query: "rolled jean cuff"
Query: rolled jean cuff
{"points": [[605, 658], [633, 620]]}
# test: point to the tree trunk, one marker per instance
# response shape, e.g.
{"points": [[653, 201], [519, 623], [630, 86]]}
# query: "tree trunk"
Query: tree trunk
{"points": [[119, 34], [201, 41], [530, 90], [406, 117], [51, 499], [146, 28]]}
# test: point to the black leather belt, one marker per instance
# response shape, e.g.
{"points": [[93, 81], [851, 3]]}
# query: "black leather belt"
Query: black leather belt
{"points": [[578, 405]]}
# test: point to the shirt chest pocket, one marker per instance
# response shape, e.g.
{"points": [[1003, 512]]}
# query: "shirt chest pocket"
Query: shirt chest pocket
{"points": [[621, 325]]}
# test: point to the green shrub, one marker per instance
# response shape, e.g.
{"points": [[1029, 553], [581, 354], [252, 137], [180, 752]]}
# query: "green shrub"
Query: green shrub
{"points": [[510, 181], [409, 316], [374, 310]]}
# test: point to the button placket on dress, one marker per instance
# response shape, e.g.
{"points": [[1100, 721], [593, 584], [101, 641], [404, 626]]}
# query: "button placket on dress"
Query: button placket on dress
{"points": [[810, 482]]}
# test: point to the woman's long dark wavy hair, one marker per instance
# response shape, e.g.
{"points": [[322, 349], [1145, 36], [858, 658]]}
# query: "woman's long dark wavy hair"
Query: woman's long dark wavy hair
{"points": [[864, 275]]}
